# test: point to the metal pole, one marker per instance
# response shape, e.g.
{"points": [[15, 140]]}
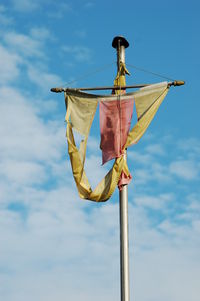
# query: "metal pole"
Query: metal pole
{"points": [[124, 247], [120, 44]]}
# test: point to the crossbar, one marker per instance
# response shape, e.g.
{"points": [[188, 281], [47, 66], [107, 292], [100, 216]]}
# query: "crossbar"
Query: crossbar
{"points": [[60, 89]]}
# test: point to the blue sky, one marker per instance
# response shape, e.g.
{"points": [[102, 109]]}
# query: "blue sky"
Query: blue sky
{"points": [[54, 246]]}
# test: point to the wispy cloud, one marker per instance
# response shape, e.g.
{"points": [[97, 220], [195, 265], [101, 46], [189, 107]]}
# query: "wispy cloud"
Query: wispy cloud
{"points": [[22, 173], [40, 33], [185, 169], [154, 202], [89, 4], [43, 79], [25, 54], [59, 10], [9, 65], [155, 149], [153, 162], [24, 44], [79, 53], [5, 20], [24, 134], [81, 33], [25, 5], [190, 145]]}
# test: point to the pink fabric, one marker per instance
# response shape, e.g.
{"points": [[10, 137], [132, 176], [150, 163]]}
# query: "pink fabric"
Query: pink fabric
{"points": [[115, 121], [123, 180]]}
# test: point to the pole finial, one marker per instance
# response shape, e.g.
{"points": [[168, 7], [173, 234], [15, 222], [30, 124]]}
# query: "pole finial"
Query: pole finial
{"points": [[119, 40]]}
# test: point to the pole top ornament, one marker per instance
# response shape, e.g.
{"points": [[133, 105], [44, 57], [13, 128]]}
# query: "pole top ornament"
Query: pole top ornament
{"points": [[119, 40]]}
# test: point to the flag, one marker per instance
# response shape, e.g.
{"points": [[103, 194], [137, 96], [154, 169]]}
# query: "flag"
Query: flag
{"points": [[115, 122], [116, 136]]}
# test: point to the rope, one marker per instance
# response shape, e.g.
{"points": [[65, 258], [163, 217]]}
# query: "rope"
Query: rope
{"points": [[86, 75], [150, 72]]}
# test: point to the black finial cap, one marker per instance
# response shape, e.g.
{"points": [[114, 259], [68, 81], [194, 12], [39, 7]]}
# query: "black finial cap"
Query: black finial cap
{"points": [[122, 40]]}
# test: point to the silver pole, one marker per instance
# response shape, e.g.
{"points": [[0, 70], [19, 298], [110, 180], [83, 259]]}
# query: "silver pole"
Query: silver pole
{"points": [[120, 44], [124, 247]]}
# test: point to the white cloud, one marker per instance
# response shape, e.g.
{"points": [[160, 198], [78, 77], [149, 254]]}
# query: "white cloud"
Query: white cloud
{"points": [[2, 8], [79, 53], [40, 33], [25, 5], [148, 166], [22, 173], [166, 275], [59, 10], [148, 170], [192, 214], [190, 146], [5, 20], [140, 176], [81, 33], [141, 158], [159, 172], [52, 9], [57, 233], [23, 134], [89, 4], [161, 259], [28, 45], [35, 38], [24, 44], [153, 202], [156, 149], [17, 57], [196, 226], [184, 169], [43, 79], [9, 65]]}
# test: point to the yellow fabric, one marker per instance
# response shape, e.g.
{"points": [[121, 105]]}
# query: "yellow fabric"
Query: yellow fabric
{"points": [[106, 187], [139, 129], [120, 79], [146, 96], [81, 108]]}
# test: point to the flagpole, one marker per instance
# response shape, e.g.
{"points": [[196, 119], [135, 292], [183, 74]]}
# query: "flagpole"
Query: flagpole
{"points": [[120, 43]]}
